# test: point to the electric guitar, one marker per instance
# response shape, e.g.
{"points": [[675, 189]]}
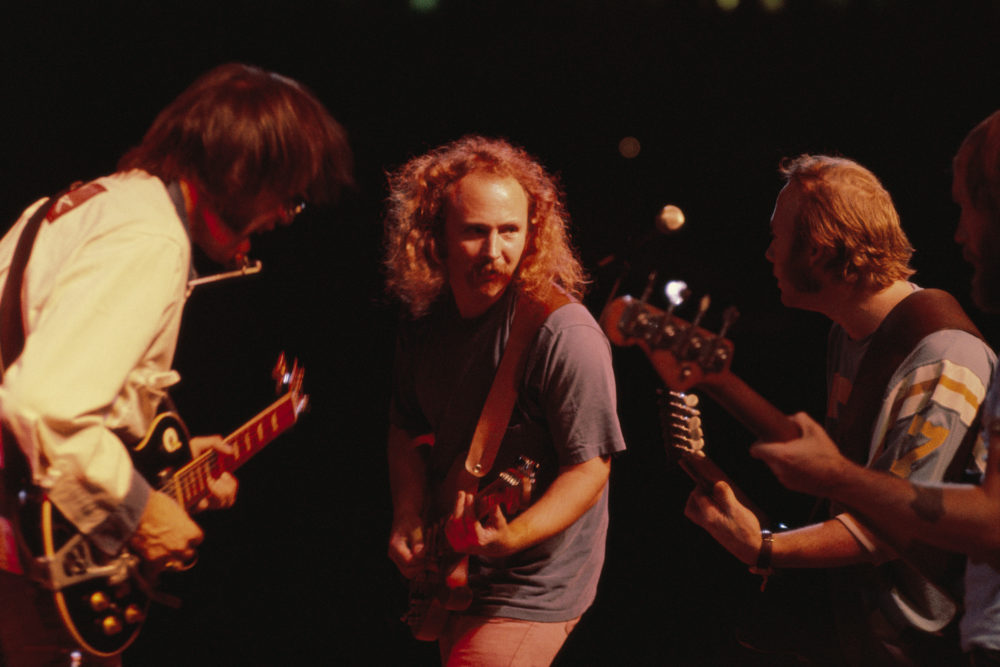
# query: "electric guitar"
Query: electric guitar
{"points": [[442, 586], [103, 601]]}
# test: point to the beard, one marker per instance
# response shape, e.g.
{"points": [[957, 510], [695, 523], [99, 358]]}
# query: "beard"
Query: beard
{"points": [[986, 276]]}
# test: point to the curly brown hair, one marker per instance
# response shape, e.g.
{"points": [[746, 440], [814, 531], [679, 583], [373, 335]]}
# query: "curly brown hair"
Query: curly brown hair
{"points": [[414, 223], [846, 213]]}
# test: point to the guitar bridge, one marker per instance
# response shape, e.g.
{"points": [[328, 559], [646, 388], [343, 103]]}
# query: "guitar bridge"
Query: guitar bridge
{"points": [[74, 563]]}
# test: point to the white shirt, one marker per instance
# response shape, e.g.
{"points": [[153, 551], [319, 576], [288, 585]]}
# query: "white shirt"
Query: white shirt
{"points": [[102, 301]]}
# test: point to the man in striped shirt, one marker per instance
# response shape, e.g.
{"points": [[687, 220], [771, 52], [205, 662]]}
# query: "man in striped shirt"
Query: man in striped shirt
{"points": [[837, 248], [961, 517]]}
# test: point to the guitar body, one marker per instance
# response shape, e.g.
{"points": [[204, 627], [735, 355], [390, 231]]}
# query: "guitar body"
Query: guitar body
{"points": [[442, 587], [104, 600], [438, 591], [165, 449]]}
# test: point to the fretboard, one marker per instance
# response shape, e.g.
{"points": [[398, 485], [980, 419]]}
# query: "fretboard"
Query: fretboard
{"points": [[189, 484]]}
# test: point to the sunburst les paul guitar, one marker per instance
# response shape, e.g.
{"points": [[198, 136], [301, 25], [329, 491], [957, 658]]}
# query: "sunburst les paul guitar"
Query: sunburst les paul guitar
{"points": [[103, 601], [442, 586]]}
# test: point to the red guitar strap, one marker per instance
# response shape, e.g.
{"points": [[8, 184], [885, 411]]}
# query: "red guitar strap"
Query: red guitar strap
{"points": [[13, 467], [530, 312]]}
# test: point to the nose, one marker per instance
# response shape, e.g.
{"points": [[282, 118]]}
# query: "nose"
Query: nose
{"points": [[960, 236], [769, 253], [491, 246]]}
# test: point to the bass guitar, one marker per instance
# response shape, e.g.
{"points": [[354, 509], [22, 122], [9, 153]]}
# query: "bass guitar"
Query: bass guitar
{"points": [[442, 586], [683, 438], [686, 356], [103, 601]]}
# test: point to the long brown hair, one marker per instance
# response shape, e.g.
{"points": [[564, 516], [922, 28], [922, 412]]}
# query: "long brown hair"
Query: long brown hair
{"points": [[239, 132], [414, 224]]}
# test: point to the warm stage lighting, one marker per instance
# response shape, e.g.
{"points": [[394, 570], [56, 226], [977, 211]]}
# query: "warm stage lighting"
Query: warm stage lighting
{"points": [[727, 5], [629, 147]]}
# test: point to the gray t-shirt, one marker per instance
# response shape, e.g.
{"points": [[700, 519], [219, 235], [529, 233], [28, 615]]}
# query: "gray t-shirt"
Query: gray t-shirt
{"points": [[565, 414]]}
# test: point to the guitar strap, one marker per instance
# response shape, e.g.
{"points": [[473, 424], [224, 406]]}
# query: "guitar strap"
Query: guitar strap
{"points": [[914, 318], [13, 466], [530, 312], [861, 587], [14, 469]]}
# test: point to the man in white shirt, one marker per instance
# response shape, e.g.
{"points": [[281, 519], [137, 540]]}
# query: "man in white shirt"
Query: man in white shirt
{"points": [[101, 298]]}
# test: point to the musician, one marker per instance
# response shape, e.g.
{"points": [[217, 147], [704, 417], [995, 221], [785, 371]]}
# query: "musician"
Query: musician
{"points": [[965, 518], [475, 228], [837, 248], [235, 154]]}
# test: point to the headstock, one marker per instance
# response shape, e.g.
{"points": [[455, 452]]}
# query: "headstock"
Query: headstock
{"points": [[684, 354], [289, 381], [680, 424], [511, 490]]}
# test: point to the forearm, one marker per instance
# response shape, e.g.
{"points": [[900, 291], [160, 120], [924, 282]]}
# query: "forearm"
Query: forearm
{"points": [[407, 475], [961, 518], [827, 544], [574, 491]]}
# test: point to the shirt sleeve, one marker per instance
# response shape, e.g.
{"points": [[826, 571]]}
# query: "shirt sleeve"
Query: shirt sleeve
{"points": [[929, 407], [109, 300], [931, 403], [577, 386]]}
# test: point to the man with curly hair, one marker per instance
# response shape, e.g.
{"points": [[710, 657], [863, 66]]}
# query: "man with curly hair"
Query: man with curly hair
{"points": [[476, 232], [907, 373]]}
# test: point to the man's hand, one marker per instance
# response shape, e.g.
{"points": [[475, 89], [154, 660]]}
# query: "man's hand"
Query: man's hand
{"points": [[166, 536], [223, 489], [406, 545], [729, 522], [467, 535], [809, 464]]}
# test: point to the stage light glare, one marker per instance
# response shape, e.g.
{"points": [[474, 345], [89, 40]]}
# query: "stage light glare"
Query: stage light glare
{"points": [[773, 5], [629, 147], [424, 6], [727, 5]]}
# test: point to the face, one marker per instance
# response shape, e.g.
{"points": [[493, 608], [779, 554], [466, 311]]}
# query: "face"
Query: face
{"points": [[977, 235], [486, 228], [793, 267], [224, 244]]}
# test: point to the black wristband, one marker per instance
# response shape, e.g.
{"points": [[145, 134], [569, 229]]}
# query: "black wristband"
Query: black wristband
{"points": [[764, 557]]}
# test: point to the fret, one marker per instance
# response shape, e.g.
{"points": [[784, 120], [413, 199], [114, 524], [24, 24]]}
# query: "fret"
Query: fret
{"points": [[189, 484]]}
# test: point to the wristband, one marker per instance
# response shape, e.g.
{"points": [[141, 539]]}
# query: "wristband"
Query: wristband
{"points": [[764, 557]]}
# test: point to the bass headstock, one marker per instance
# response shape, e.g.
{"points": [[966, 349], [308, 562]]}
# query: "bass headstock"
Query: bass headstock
{"points": [[289, 381], [684, 354], [680, 424]]}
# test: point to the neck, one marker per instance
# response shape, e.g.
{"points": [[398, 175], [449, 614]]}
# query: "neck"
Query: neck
{"points": [[861, 312]]}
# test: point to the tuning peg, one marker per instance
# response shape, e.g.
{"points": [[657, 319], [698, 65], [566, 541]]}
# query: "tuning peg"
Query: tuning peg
{"points": [[650, 281], [703, 305], [729, 316]]}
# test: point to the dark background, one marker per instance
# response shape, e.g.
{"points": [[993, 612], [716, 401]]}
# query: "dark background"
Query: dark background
{"points": [[296, 573]]}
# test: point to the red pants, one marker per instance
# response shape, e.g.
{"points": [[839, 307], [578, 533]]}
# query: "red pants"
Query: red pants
{"points": [[502, 642]]}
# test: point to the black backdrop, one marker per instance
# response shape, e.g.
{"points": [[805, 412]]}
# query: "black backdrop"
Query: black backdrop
{"points": [[296, 573]]}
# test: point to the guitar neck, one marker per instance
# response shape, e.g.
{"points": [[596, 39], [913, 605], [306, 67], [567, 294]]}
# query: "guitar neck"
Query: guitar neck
{"points": [[190, 483], [750, 408]]}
